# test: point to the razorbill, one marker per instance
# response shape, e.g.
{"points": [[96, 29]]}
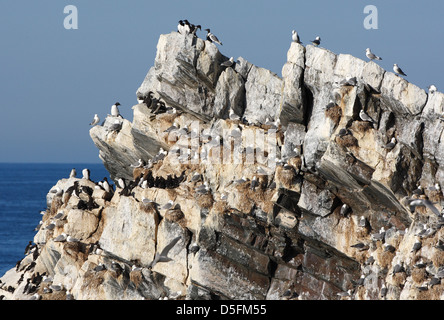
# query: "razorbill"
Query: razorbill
{"points": [[398, 70], [432, 89], [180, 27], [295, 36], [371, 56], [211, 37], [115, 110], [316, 41], [95, 120], [186, 27], [86, 173]]}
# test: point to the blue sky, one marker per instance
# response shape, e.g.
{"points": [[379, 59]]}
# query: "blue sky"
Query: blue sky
{"points": [[53, 80]]}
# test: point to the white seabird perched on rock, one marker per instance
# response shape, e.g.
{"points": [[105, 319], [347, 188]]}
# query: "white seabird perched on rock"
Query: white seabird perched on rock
{"points": [[172, 128], [316, 41], [371, 56], [73, 173], [86, 174], [61, 237], [228, 63], [59, 215], [168, 205], [56, 287], [121, 183], [71, 239], [432, 89], [211, 37], [391, 144], [233, 115], [95, 120], [295, 37], [365, 117], [139, 164], [349, 81], [398, 70], [115, 110]]}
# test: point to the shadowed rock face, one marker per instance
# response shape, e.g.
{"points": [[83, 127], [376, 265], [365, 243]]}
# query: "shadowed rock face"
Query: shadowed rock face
{"points": [[281, 231]]}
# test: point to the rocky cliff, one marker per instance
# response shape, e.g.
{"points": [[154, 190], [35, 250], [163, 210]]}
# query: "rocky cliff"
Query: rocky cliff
{"points": [[271, 187]]}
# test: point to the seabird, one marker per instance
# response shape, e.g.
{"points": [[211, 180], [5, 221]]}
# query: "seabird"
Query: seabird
{"points": [[99, 267], [398, 70], [139, 164], [28, 247], [56, 287], [71, 239], [106, 185], [85, 173], [254, 183], [383, 290], [391, 144], [69, 295], [228, 63], [186, 27], [95, 120], [61, 238], [398, 268], [203, 188], [121, 183], [50, 226], [371, 56], [432, 89], [365, 117], [416, 246], [168, 205], [345, 209], [180, 27], [389, 248], [233, 115], [316, 41], [224, 196], [115, 110], [418, 191], [59, 215], [73, 173], [295, 36], [211, 37], [362, 222], [172, 128], [116, 126], [35, 296], [349, 81], [196, 177], [425, 202], [360, 246], [162, 257]]}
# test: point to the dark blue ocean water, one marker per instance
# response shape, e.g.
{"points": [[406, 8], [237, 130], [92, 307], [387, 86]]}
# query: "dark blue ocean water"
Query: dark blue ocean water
{"points": [[23, 189]]}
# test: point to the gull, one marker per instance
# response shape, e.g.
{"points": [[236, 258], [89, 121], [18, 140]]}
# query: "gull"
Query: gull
{"points": [[391, 144], [203, 188], [73, 173], [172, 128], [228, 63], [95, 120], [211, 37], [139, 164], [168, 205], [56, 287], [295, 36], [417, 245], [71, 239], [349, 81], [389, 248], [436, 187], [365, 117], [224, 196], [360, 246], [316, 41], [162, 257], [233, 115], [383, 290], [345, 209], [61, 238], [35, 296], [398, 268], [371, 56], [362, 222], [398, 70], [59, 215], [425, 202], [196, 177], [99, 267]]}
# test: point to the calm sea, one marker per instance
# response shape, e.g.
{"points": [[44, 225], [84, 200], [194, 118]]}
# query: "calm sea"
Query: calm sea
{"points": [[23, 189]]}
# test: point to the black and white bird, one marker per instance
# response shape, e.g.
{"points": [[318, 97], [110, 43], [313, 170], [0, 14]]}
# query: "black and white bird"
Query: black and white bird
{"points": [[398, 70], [186, 27], [228, 63], [121, 183], [163, 256], [95, 120], [295, 37], [432, 89], [233, 116], [211, 37], [86, 174], [371, 55], [316, 41], [115, 109], [180, 27]]}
